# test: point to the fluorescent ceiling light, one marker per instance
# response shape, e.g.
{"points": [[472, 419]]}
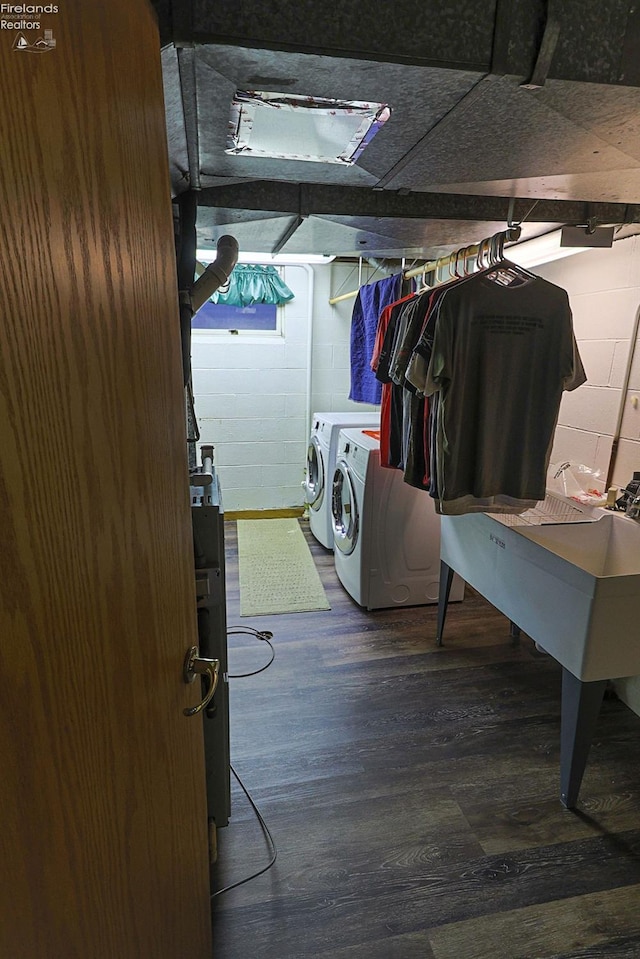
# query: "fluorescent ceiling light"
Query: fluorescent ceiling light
{"points": [[541, 249], [282, 259], [291, 127]]}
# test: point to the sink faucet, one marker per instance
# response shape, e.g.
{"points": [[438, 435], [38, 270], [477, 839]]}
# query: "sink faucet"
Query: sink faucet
{"points": [[633, 509]]}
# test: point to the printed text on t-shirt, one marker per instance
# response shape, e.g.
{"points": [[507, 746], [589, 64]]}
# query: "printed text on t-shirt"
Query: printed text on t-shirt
{"points": [[513, 325]]}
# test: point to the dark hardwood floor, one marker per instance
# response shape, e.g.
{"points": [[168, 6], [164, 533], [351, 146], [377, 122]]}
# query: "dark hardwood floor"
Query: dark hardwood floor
{"points": [[413, 794]]}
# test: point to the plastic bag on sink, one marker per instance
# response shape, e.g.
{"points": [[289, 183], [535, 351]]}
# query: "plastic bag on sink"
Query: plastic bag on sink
{"points": [[577, 482]]}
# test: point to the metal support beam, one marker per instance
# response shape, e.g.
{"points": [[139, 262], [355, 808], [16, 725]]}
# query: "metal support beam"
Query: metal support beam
{"points": [[323, 200], [504, 42]]}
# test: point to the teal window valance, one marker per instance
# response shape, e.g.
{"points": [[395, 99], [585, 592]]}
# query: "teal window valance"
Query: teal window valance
{"points": [[250, 283]]}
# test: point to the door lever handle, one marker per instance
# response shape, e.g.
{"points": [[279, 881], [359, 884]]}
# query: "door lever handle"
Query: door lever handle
{"points": [[196, 665]]}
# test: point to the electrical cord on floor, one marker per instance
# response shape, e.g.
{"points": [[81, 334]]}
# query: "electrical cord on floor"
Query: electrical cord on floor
{"points": [[264, 636], [267, 835]]}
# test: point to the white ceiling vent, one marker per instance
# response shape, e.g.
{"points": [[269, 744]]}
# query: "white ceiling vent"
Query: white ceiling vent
{"points": [[302, 128]]}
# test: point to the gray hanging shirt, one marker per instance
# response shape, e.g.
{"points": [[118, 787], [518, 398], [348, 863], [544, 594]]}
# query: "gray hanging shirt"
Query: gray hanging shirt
{"points": [[502, 355]]}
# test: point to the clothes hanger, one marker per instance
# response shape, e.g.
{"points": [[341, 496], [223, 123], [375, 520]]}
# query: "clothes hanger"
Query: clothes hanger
{"points": [[482, 261], [451, 267], [518, 270], [440, 267], [486, 253], [472, 262], [503, 271], [423, 286]]}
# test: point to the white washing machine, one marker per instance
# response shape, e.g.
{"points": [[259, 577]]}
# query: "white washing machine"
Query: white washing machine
{"points": [[321, 461], [386, 533]]}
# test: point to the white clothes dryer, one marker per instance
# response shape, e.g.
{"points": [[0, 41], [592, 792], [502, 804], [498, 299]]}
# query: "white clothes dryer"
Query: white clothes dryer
{"points": [[321, 461], [386, 533]]}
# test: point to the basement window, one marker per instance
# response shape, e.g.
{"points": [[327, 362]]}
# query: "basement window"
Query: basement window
{"points": [[302, 128], [256, 318], [251, 301]]}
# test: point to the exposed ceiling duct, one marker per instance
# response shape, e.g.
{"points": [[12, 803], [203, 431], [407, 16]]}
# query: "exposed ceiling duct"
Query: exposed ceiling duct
{"points": [[531, 101]]}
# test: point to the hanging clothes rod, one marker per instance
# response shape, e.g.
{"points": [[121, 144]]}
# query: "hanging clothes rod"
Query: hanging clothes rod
{"points": [[343, 296], [510, 235]]}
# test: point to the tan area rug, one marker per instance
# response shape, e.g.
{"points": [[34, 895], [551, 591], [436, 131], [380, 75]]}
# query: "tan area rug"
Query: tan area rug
{"points": [[277, 572]]}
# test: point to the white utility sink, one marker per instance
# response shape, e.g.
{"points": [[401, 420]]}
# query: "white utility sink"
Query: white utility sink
{"points": [[608, 548], [574, 588]]}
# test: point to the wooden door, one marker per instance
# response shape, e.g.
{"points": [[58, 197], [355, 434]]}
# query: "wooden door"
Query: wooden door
{"points": [[103, 840]]}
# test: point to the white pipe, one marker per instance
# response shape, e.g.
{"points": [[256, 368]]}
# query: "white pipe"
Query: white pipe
{"points": [[624, 396], [308, 410], [217, 273]]}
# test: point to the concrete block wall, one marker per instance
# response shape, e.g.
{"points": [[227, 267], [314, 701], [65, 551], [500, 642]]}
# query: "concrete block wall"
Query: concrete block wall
{"points": [[250, 397], [604, 292], [254, 398], [331, 338]]}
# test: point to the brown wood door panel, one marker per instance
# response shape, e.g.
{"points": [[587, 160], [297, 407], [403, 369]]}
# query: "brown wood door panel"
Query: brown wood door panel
{"points": [[104, 838]]}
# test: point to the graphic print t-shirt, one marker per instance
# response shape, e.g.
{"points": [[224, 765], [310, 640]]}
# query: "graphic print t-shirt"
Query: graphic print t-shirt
{"points": [[501, 358]]}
